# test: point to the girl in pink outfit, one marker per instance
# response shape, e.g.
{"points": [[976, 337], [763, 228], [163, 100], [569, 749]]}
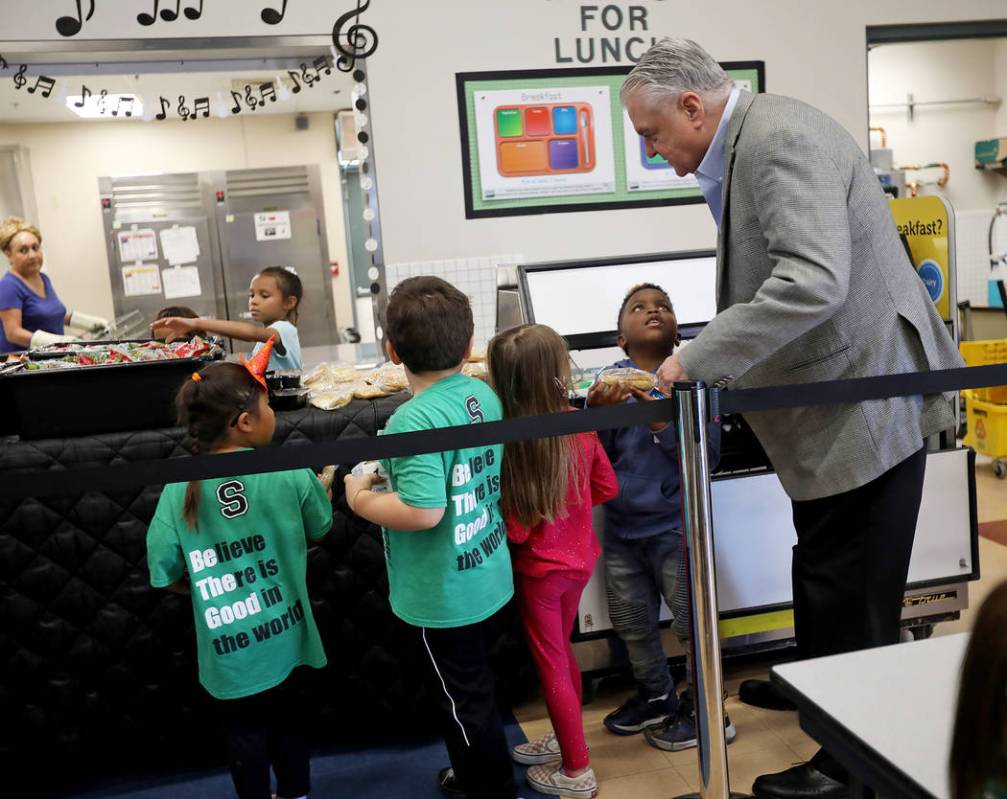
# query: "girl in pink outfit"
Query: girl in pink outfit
{"points": [[549, 486]]}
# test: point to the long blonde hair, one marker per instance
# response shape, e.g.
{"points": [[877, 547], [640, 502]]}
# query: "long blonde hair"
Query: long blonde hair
{"points": [[529, 368], [13, 225]]}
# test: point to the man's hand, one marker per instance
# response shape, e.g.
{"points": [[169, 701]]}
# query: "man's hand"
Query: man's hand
{"points": [[601, 394], [671, 371], [172, 327]]}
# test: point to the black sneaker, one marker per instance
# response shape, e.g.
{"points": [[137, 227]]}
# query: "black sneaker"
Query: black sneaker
{"points": [[448, 783], [637, 713], [679, 732]]}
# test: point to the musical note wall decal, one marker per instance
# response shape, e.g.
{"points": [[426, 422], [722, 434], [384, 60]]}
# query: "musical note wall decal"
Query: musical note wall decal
{"points": [[84, 94], [273, 17], [297, 83], [250, 100], [268, 91], [128, 101], [151, 18], [201, 105], [170, 16], [236, 96], [165, 105], [193, 13], [309, 79], [70, 26], [323, 63], [3, 64], [47, 84], [359, 41], [19, 79], [102, 101]]}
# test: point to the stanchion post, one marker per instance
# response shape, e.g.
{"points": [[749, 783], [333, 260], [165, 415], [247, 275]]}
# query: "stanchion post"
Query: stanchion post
{"points": [[692, 414]]}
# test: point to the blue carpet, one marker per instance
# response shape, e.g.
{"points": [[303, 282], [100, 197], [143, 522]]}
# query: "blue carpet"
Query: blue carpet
{"points": [[390, 772]]}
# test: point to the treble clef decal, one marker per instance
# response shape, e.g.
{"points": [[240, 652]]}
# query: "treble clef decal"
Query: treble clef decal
{"points": [[358, 41], [19, 79]]}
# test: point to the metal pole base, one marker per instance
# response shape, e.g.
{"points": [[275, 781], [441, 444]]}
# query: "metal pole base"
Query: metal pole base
{"points": [[734, 795]]}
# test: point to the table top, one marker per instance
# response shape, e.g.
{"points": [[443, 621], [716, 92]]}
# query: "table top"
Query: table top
{"points": [[897, 703]]}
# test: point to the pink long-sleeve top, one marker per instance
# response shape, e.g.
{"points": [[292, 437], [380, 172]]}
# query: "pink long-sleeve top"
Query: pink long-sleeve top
{"points": [[568, 543]]}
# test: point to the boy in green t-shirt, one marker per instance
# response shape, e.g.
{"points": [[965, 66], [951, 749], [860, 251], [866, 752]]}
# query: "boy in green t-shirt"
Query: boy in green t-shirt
{"points": [[449, 568]]}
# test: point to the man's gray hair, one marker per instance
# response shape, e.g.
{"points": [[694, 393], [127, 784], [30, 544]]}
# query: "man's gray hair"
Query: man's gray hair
{"points": [[673, 66]]}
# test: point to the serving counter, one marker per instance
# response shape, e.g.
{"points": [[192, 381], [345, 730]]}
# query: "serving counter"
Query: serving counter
{"points": [[98, 669]]}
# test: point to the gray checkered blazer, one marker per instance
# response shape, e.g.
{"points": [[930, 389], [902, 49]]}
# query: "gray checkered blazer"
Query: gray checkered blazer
{"points": [[813, 284]]}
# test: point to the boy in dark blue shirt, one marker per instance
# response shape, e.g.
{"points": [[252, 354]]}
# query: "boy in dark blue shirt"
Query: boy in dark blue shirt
{"points": [[645, 556]]}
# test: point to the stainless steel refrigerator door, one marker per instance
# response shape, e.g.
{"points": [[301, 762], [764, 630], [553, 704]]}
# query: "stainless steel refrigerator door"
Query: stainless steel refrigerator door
{"points": [[247, 247], [159, 203]]}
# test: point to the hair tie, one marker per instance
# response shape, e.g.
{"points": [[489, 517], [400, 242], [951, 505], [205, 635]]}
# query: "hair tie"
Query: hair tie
{"points": [[197, 376]]}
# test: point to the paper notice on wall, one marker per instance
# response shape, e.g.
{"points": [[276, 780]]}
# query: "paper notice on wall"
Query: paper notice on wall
{"points": [[180, 245], [181, 281], [141, 279], [272, 225], [137, 245]]}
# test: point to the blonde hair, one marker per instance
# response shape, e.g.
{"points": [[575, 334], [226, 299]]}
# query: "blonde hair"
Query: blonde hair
{"points": [[529, 368], [13, 225]]}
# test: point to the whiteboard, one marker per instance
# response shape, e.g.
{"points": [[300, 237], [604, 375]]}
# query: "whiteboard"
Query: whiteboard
{"points": [[754, 533], [582, 298]]}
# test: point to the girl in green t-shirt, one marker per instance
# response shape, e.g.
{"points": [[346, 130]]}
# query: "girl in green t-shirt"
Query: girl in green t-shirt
{"points": [[238, 547]]}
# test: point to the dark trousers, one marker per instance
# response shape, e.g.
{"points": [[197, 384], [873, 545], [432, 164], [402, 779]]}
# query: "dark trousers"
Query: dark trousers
{"points": [[851, 562], [473, 731], [265, 729], [850, 567]]}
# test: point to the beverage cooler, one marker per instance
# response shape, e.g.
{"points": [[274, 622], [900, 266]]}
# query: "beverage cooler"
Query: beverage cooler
{"points": [[196, 239]]}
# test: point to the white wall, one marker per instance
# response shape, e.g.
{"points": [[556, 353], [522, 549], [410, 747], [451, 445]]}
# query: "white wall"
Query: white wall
{"points": [[68, 158], [939, 71], [813, 50], [1000, 72]]}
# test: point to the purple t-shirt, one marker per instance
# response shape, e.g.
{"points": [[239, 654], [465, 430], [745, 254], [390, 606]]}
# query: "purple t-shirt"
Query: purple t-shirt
{"points": [[37, 313]]}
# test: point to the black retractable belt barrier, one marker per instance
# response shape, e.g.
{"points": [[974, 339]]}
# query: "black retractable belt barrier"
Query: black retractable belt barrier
{"points": [[175, 470]]}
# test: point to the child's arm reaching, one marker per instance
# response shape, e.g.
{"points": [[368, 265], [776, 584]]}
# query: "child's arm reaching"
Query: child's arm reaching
{"points": [[173, 327], [387, 510]]}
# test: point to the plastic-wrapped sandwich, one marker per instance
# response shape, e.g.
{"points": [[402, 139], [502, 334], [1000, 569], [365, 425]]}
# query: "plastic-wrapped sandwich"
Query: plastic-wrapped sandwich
{"points": [[629, 377]]}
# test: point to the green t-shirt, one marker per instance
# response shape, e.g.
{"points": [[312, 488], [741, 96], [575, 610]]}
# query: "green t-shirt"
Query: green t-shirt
{"points": [[246, 563], [458, 572]]}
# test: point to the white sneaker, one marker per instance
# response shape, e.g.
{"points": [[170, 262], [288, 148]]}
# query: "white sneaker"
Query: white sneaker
{"points": [[534, 753], [552, 780]]}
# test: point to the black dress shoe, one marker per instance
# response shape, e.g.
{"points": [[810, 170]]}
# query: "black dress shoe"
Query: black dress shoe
{"points": [[799, 782], [448, 783], [762, 693]]}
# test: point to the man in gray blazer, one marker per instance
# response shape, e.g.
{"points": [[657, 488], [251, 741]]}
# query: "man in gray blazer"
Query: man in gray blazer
{"points": [[813, 284]]}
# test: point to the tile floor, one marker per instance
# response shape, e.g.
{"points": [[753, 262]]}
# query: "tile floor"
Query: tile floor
{"points": [[628, 768]]}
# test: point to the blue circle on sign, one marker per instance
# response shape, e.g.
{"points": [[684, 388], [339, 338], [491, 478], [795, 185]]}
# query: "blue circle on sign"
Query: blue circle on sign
{"points": [[933, 278]]}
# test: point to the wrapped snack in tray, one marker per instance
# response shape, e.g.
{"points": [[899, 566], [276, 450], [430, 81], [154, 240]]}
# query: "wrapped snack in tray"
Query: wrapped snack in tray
{"points": [[332, 398]]}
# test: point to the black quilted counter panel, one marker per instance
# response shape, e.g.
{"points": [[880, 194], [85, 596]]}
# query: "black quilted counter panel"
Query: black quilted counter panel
{"points": [[98, 669]]}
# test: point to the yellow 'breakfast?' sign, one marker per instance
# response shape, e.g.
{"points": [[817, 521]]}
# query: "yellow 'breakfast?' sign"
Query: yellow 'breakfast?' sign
{"points": [[925, 223]]}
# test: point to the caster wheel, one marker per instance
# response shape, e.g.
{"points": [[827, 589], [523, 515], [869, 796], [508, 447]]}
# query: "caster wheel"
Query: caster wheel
{"points": [[1000, 469]]}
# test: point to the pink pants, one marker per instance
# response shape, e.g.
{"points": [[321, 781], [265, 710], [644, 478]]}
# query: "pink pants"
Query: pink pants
{"points": [[548, 607]]}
